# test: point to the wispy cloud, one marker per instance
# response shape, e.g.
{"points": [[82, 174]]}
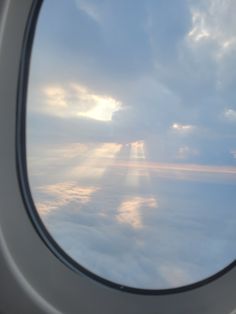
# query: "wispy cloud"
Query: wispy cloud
{"points": [[90, 9], [199, 30], [212, 21]]}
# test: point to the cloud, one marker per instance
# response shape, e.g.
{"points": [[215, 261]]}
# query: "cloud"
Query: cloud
{"points": [[62, 194], [182, 128], [136, 234], [56, 96], [144, 228], [199, 30], [213, 21], [90, 9], [128, 212], [230, 115], [77, 100]]}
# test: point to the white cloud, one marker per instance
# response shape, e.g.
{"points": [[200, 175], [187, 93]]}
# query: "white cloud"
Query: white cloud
{"points": [[90, 9], [182, 128], [199, 30], [230, 115], [213, 21]]}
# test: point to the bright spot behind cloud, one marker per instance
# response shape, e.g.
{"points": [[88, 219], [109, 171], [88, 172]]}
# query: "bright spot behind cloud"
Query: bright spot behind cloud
{"points": [[103, 108], [182, 128], [75, 100]]}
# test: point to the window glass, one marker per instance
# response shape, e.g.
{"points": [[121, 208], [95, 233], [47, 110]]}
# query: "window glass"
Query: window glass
{"points": [[131, 125]]}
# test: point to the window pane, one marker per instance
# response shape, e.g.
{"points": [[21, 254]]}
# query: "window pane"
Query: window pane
{"points": [[131, 123]]}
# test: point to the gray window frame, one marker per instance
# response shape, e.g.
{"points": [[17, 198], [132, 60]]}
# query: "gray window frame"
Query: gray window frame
{"points": [[35, 277]]}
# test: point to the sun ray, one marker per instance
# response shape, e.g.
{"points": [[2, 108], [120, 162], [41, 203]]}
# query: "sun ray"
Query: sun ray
{"points": [[137, 153], [97, 161]]}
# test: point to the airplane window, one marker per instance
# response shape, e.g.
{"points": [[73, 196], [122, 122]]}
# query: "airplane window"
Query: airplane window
{"points": [[130, 130]]}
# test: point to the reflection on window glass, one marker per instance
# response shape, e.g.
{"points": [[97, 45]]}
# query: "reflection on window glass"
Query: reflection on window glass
{"points": [[131, 127]]}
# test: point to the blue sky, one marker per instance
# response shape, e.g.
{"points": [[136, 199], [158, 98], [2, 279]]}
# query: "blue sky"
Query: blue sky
{"points": [[131, 136]]}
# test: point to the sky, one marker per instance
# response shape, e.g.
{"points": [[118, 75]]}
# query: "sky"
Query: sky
{"points": [[131, 151]]}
